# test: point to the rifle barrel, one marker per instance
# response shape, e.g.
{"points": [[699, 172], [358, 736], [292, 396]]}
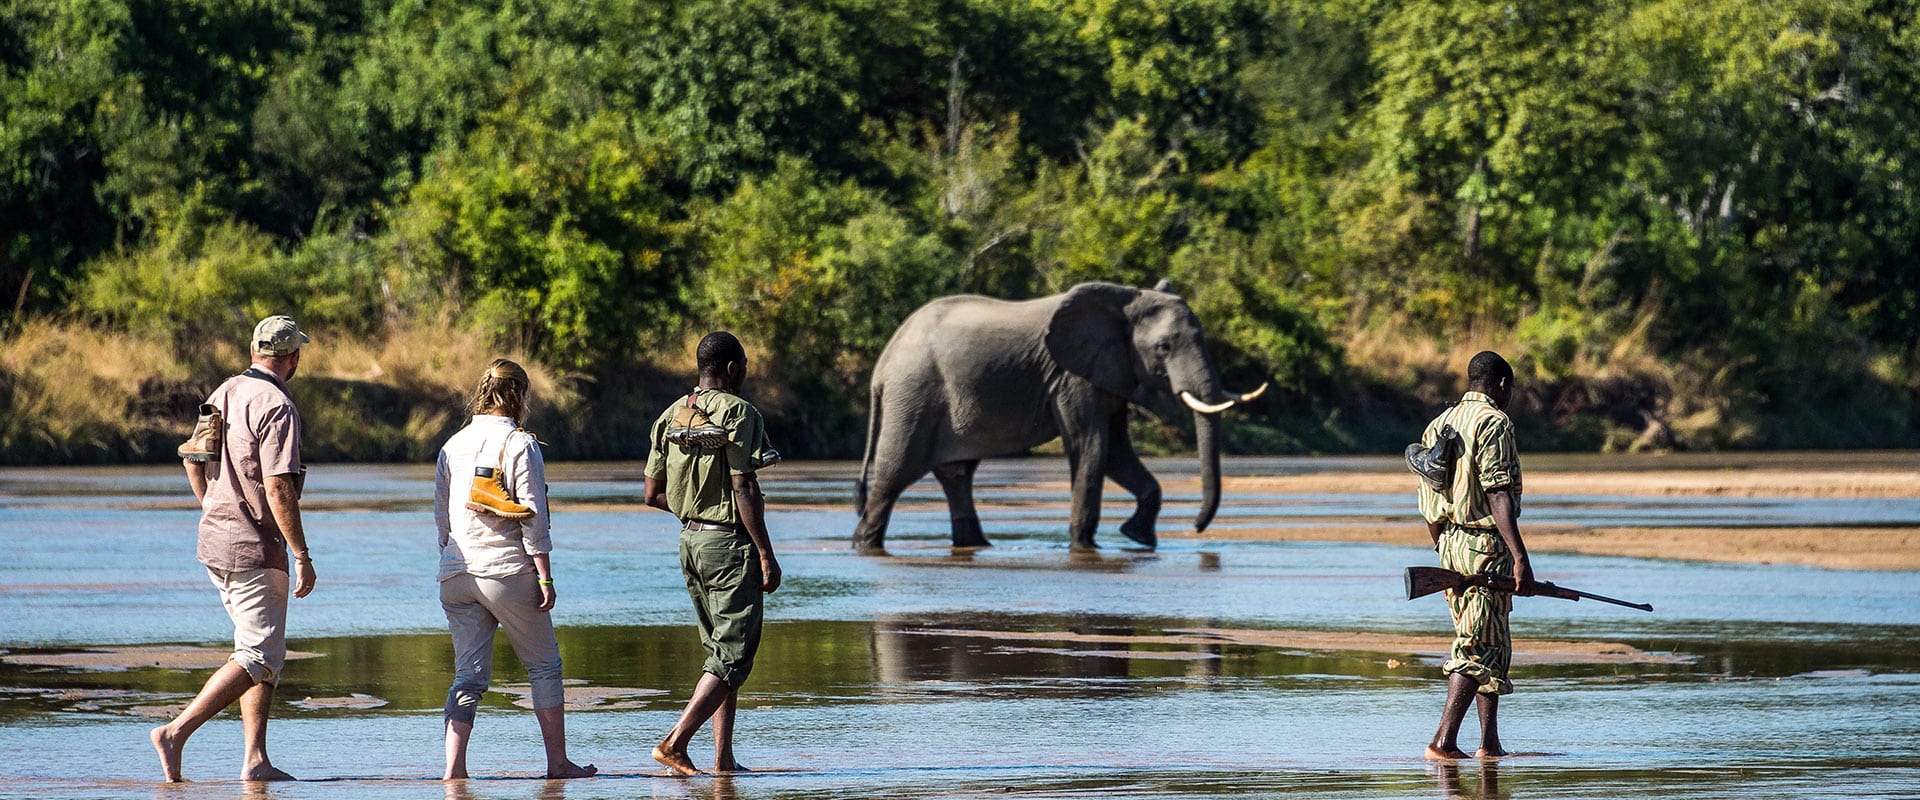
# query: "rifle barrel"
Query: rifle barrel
{"points": [[1605, 599]]}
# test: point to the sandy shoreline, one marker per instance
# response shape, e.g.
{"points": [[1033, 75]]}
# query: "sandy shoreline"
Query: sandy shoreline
{"points": [[1533, 651], [1831, 547], [1896, 549]]}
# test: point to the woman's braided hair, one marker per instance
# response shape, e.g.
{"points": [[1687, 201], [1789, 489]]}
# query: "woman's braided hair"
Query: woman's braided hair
{"points": [[502, 390]]}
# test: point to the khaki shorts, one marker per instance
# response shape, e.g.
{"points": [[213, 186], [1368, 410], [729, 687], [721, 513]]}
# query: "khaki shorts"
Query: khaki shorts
{"points": [[723, 578], [256, 601]]}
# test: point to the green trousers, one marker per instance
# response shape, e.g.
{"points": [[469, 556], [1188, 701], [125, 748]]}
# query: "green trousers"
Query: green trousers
{"points": [[1482, 642], [723, 578]]}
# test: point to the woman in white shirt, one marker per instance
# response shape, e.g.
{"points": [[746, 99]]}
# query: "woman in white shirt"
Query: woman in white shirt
{"points": [[490, 503]]}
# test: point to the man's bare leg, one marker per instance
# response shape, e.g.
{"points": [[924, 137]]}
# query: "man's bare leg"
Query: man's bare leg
{"points": [[1489, 707], [1445, 744], [707, 697], [458, 733], [553, 733], [226, 685], [723, 760], [255, 707]]}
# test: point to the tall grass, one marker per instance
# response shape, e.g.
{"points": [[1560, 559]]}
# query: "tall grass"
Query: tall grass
{"points": [[69, 392], [72, 393]]}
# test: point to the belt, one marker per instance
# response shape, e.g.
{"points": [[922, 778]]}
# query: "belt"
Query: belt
{"points": [[700, 525]]}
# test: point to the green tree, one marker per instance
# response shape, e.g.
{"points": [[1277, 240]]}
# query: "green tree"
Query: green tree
{"points": [[558, 238]]}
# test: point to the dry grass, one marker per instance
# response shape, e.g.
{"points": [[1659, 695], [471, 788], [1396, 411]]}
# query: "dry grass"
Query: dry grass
{"points": [[75, 393], [432, 357], [67, 387]]}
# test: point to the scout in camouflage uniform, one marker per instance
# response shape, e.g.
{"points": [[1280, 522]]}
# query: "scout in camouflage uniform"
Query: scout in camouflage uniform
{"points": [[707, 449], [1475, 528]]}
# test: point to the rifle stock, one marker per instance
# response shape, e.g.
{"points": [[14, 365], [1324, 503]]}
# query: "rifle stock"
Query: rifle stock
{"points": [[1423, 581]]}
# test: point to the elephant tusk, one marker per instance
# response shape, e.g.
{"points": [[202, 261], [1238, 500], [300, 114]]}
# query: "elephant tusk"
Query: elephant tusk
{"points": [[1195, 404], [1253, 395]]}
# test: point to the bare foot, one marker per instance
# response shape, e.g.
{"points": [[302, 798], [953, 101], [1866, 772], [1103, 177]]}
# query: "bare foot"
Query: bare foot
{"points": [[169, 750], [568, 769], [1449, 754], [265, 771], [724, 769], [455, 774], [1485, 753], [677, 762]]}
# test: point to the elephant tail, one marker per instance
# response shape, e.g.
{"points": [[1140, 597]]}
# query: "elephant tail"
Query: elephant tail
{"points": [[866, 461]]}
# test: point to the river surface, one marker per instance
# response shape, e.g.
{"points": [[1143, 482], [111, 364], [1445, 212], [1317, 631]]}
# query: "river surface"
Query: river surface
{"points": [[1006, 671]]}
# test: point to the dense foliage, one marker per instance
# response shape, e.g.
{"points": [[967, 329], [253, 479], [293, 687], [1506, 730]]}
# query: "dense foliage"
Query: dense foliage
{"points": [[1693, 221]]}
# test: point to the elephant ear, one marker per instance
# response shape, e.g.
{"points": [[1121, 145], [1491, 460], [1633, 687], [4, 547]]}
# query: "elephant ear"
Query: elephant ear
{"points": [[1089, 336]]}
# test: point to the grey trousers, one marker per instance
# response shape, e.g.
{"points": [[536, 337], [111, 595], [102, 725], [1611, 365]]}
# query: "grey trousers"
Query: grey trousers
{"points": [[475, 608]]}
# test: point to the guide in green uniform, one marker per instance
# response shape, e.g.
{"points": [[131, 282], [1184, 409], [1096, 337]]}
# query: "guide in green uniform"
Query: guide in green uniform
{"points": [[706, 451]]}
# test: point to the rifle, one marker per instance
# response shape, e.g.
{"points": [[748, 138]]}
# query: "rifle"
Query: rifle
{"points": [[1423, 581]]}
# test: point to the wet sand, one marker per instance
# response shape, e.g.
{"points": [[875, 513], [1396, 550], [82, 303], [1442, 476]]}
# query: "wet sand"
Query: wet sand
{"points": [[1896, 549], [117, 659], [1639, 483], [1531, 651], [1830, 547]]}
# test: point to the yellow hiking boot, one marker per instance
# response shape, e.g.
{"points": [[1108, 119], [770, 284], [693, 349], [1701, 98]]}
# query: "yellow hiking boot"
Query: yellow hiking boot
{"points": [[489, 496], [204, 444]]}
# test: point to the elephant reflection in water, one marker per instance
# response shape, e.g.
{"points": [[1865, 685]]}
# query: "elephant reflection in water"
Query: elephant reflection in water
{"points": [[912, 649], [970, 377]]}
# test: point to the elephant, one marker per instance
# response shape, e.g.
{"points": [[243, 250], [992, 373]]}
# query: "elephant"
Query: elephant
{"points": [[970, 377]]}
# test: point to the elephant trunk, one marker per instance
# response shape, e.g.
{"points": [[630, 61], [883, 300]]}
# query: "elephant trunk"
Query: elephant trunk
{"points": [[1206, 431], [1202, 378]]}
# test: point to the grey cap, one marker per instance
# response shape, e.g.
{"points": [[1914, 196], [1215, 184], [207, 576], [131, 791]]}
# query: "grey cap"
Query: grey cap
{"points": [[277, 335]]}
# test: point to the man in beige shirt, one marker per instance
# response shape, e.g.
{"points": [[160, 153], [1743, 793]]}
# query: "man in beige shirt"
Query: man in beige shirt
{"points": [[249, 492]]}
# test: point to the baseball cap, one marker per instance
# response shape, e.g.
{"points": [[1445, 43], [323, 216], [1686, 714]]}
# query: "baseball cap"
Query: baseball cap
{"points": [[277, 336]]}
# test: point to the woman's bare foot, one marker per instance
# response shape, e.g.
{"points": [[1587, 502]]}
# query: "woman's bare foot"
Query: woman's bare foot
{"points": [[169, 750], [1487, 753], [454, 774], [677, 762], [1449, 754], [265, 771], [568, 769]]}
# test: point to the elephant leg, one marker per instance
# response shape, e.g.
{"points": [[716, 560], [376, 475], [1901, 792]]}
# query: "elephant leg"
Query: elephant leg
{"points": [[957, 480], [871, 535], [1087, 461], [899, 461], [1125, 468]]}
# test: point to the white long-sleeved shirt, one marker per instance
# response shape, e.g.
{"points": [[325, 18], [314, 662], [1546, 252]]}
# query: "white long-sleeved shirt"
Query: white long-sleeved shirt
{"points": [[486, 545]]}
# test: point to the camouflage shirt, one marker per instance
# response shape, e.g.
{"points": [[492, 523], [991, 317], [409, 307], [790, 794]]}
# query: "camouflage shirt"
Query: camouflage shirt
{"points": [[1490, 460]]}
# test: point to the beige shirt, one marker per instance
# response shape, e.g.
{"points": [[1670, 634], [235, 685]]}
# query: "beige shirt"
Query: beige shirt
{"points": [[1490, 460], [262, 438], [487, 545]]}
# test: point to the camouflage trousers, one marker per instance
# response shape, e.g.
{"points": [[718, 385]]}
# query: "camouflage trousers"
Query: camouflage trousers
{"points": [[1482, 642]]}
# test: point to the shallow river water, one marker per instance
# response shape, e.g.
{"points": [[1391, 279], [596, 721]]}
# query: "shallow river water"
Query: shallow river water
{"points": [[1019, 670]]}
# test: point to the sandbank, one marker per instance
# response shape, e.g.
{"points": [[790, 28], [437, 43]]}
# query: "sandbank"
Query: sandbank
{"points": [[116, 659], [1528, 651]]}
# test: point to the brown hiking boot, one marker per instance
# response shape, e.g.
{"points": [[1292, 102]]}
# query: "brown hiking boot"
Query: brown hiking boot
{"points": [[204, 444], [489, 496]]}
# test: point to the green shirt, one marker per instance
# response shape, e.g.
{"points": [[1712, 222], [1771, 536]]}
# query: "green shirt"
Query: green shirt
{"points": [[1490, 460], [700, 480]]}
